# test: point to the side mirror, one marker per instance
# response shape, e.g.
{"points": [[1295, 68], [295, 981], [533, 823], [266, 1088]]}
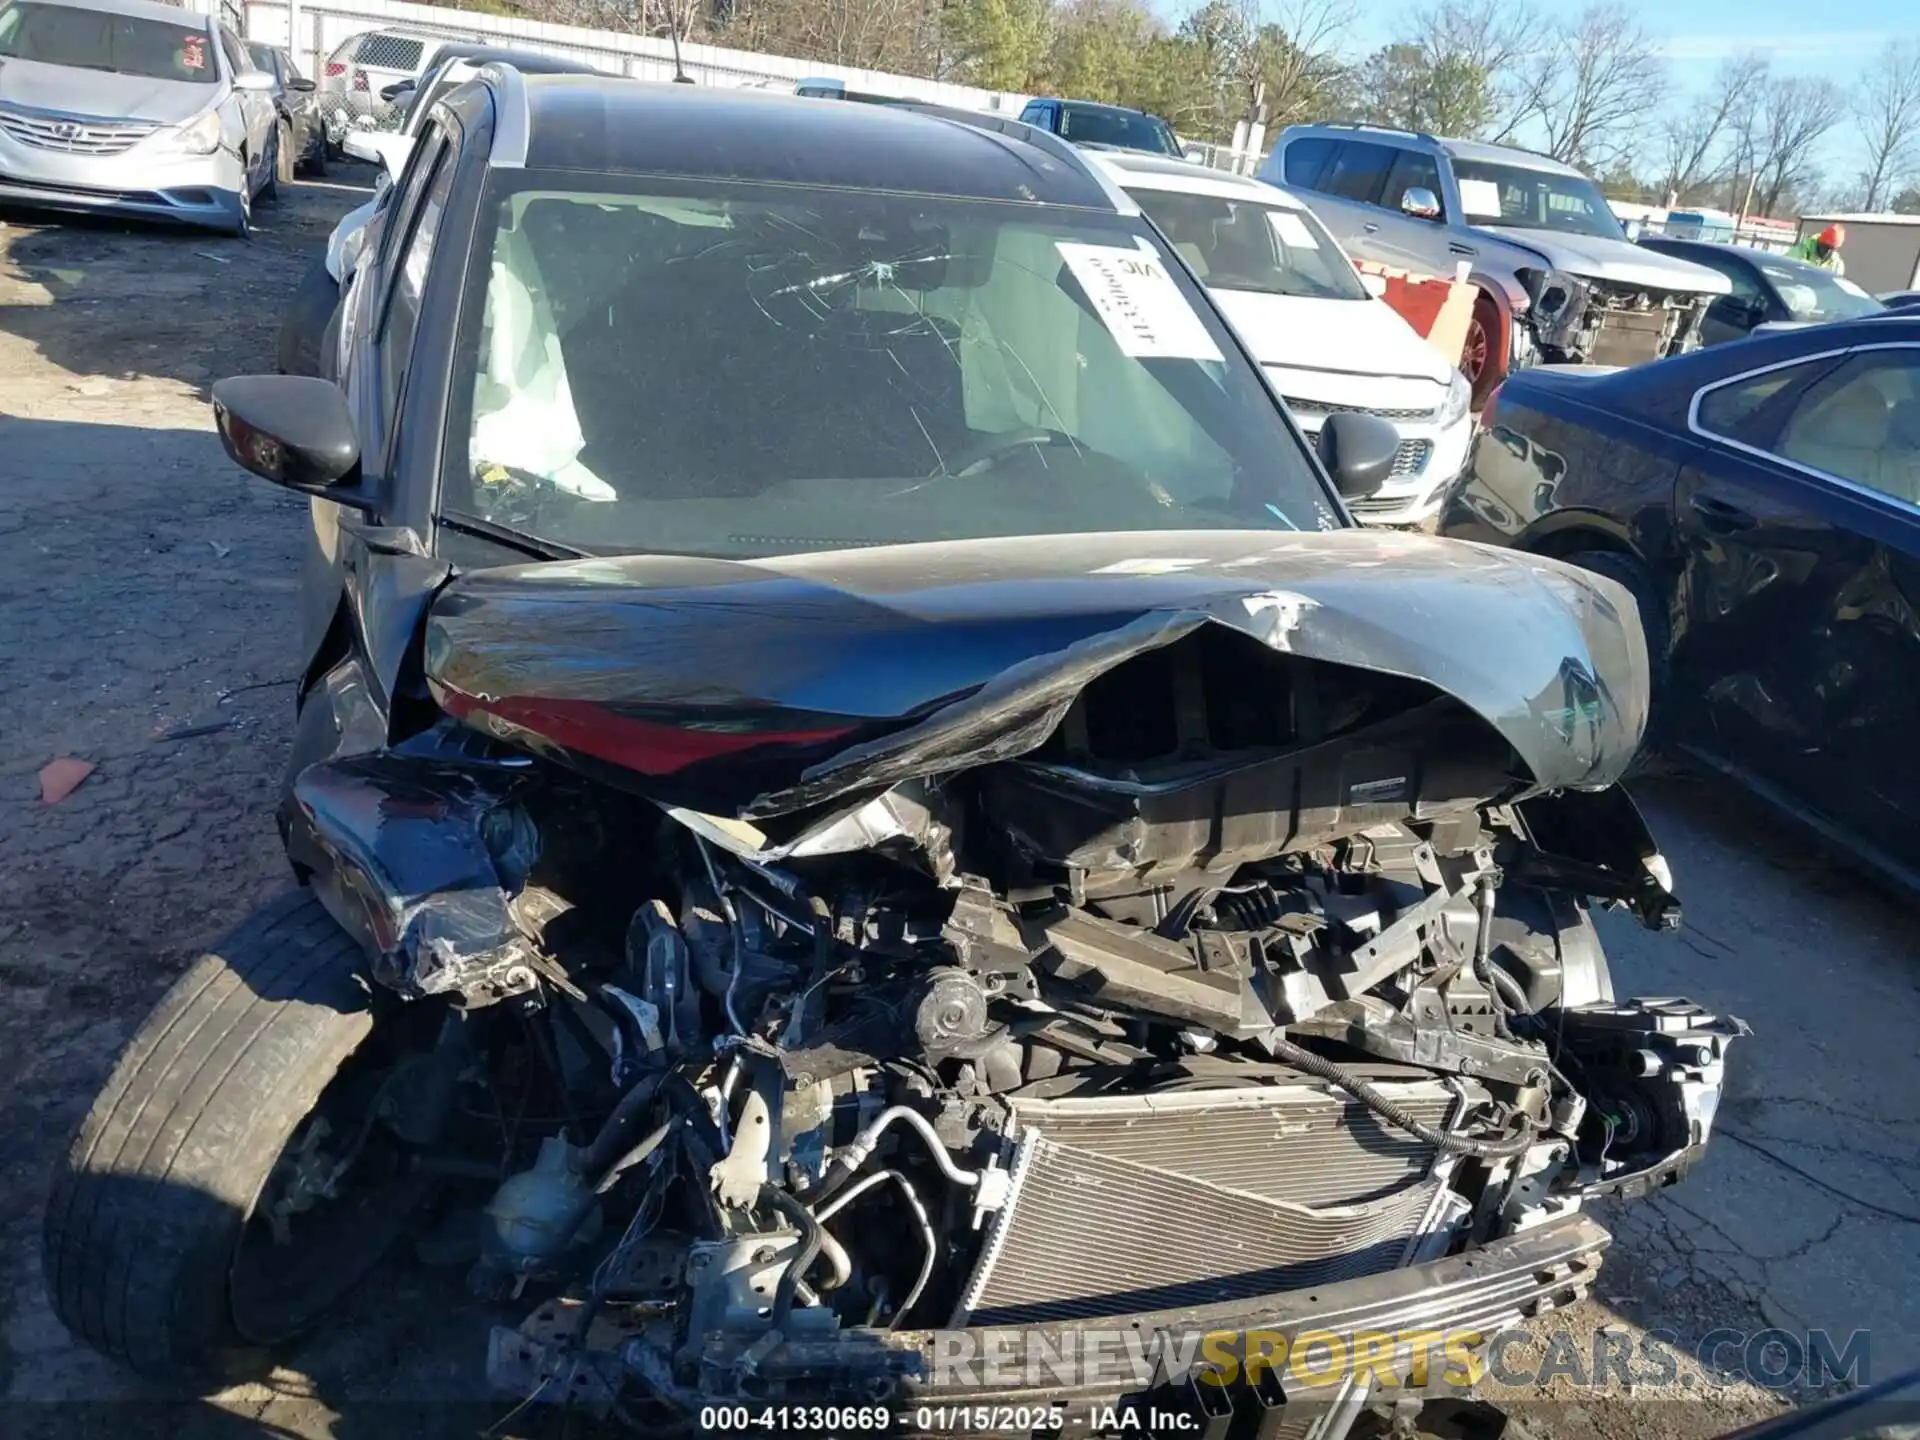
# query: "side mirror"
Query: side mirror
{"points": [[397, 89], [260, 81], [1358, 450], [1420, 202], [292, 430], [300, 83]]}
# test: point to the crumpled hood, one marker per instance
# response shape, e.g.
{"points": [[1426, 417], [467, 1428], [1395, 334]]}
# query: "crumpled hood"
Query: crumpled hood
{"points": [[762, 687], [1595, 257]]}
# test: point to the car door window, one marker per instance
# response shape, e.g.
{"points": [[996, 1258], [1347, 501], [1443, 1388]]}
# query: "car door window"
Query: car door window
{"points": [[237, 61], [1304, 161], [1359, 172], [1412, 170], [1741, 308], [414, 227], [1862, 424], [1858, 420]]}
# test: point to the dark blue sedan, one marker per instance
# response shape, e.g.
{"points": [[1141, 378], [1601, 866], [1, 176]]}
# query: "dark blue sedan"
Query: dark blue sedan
{"points": [[1761, 501]]}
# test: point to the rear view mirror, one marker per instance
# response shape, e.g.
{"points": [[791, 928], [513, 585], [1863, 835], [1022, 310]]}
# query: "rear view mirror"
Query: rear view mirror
{"points": [[293, 430], [1358, 450]]}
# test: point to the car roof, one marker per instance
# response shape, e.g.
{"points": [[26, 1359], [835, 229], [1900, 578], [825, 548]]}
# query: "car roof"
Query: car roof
{"points": [[528, 62], [607, 124], [1140, 171], [1471, 150], [1096, 105], [141, 10]]}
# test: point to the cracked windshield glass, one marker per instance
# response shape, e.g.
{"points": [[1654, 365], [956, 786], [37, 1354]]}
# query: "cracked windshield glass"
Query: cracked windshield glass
{"points": [[753, 370]]}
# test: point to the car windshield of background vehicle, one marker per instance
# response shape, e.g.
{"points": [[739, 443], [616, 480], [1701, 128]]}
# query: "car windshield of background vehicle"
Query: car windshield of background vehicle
{"points": [[1114, 127], [1533, 200], [1813, 294], [1242, 245], [740, 370], [97, 40]]}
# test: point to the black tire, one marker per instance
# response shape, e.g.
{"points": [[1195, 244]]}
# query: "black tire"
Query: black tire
{"points": [[1654, 623], [315, 165], [330, 343], [302, 344], [269, 191], [285, 157], [145, 1224]]}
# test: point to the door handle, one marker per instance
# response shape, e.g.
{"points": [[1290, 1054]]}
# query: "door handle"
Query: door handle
{"points": [[1719, 515], [1455, 248]]}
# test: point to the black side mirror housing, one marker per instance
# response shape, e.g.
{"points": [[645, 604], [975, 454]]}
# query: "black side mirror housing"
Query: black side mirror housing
{"points": [[293, 430], [300, 83], [1358, 450]]}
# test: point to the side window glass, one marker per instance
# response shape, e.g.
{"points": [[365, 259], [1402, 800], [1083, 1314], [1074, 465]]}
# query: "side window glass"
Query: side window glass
{"points": [[1743, 410], [237, 61], [1304, 161], [1412, 170], [1862, 424], [403, 196], [409, 279], [1359, 172]]}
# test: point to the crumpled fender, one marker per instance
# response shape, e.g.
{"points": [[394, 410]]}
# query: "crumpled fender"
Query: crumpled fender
{"points": [[762, 687]]}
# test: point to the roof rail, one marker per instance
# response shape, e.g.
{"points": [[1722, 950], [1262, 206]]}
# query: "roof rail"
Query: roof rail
{"points": [[1030, 135], [512, 121], [1378, 129]]}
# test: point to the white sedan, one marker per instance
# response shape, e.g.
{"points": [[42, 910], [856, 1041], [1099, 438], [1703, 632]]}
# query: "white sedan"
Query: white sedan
{"points": [[1326, 340]]}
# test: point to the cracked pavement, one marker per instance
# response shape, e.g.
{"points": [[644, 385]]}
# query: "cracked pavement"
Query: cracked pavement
{"points": [[146, 588]]}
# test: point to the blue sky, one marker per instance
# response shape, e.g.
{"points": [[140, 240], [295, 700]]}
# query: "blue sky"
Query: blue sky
{"points": [[1833, 40]]}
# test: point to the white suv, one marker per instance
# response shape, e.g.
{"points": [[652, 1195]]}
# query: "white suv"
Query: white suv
{"points": [[1323, 337], [364, 65]]}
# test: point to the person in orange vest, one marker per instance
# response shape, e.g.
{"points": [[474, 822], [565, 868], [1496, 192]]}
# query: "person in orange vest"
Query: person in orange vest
{"points": [[1823, 249]]}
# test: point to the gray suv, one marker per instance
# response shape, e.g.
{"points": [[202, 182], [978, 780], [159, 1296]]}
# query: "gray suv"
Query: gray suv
{"points": [[1558, 278]]}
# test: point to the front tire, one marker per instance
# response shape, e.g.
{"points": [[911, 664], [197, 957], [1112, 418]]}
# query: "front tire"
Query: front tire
{"points": [[1482, 357], [161, 1194]]}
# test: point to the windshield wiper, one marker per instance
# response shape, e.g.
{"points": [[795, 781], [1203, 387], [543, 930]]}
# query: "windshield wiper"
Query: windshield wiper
{"points": [[514, 539]]}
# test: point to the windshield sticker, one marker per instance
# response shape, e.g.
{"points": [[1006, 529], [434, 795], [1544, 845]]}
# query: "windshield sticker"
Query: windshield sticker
{"points": [[1138, 302], [1292, 230], [1480, 198], [193, 52]]}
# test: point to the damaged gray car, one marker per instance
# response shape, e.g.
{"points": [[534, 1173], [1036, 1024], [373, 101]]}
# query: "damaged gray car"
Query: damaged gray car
{"points": [[856, 793]]}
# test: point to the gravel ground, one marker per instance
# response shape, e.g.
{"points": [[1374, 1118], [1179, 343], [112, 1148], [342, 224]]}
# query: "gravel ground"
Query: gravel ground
{"points": [[147, 588]]}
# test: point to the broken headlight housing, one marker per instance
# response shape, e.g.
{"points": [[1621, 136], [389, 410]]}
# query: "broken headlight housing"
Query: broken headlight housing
{"points": [[198, 136]]}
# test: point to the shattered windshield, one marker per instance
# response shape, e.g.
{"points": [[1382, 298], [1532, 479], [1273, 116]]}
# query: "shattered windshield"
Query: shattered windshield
{"points": [[1533, 199], [101, 40], [1242, 245], [736, 370]]}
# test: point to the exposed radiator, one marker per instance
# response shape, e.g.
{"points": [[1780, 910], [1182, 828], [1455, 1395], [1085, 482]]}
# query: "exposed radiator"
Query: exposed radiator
{"points": [[1122, 1204], [1303, 1142]]}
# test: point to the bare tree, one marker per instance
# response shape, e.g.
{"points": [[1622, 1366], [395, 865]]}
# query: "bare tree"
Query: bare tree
{"points": [[1798, 112], [1886, 110], [1497, 37], [1693, 152], [1588, 88]]}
